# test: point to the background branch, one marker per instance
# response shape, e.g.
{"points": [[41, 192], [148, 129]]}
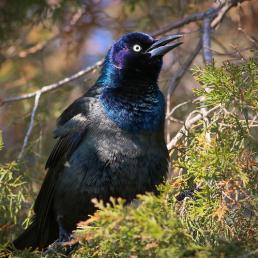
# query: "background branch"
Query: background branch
{"points": [[187, 126], [31, 125], [212, 12], [183, 69], [206, 41], [53, 86], [184, 21]]}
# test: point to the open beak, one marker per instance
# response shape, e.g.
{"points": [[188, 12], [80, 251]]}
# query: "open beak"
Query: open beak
{"points": [[160, 47]]}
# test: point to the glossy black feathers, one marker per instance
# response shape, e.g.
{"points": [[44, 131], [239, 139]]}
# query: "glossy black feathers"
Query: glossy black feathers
{"points": [[110, 142]]}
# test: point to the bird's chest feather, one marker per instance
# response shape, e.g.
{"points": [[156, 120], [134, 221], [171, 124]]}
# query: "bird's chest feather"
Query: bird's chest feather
{"points": [[115, 159], [119, 165], [113, 162]]}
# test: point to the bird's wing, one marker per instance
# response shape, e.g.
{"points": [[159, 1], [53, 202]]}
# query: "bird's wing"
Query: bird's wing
{"points": [[69, 136], [71, 128], [81, 105]]}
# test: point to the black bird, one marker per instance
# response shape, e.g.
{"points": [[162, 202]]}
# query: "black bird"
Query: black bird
{"points": [[110, 141]]}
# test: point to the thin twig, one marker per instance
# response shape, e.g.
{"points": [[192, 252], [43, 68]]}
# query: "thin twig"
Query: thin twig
{"points": [[175, 120], [187, 126], [221, 14], [31, 125], [214, 17], [226, 6], [218, 12], [37, 95], [231, 54], [32, 50], [206, 41], [183, 69], [176, 107], [207, 58], [186, 20], [180, 105], [53, 86], [250, 38]]}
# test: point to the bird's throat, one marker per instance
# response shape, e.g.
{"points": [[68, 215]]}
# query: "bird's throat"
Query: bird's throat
{"points": [[133, 110], [131, 99]]}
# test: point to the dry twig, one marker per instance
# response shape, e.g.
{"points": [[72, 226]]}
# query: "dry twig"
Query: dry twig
{"points": [[184, 21], [53, 86], [206, 41], [183, 69], [43, 90], [31, 125], [187, 126], [180, 105]]}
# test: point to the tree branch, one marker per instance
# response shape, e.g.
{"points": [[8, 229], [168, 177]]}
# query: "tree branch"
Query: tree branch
{"points": [[207, 58], [31, 125], [186, 20], [75, 20], [53, 86], [206, 41], [188, 124], [180, 105], [212, 12], [183, 69], [175, 81], [211, 18]]}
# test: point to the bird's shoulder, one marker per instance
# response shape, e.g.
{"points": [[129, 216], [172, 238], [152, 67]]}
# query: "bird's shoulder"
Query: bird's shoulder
{"points": [[82, 105], [72, 126]]}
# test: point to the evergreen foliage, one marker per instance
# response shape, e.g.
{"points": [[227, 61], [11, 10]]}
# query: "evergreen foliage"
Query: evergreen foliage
{"points": [[220, 218], [28, 13], [215, 166], [11, 197]]}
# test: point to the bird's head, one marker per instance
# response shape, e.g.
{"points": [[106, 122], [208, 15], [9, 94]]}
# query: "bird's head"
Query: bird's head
{"points": [[131, 97], [138, 53]]}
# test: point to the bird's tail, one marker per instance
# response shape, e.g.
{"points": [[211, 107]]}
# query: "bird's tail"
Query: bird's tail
{"points": [[29, 238], [36, 237]]}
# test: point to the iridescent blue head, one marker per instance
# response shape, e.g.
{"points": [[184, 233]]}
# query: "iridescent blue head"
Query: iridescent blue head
{"points": [[137, 55], [131, 97]]}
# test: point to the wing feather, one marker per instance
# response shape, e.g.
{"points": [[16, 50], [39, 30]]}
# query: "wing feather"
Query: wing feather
{"points": [[70, 135]]}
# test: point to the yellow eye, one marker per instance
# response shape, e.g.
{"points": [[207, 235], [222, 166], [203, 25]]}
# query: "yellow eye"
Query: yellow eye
{"points": [[137, 48]]}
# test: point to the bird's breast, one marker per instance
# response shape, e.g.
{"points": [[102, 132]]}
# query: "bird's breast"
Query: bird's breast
{"points": [[111, 161]]}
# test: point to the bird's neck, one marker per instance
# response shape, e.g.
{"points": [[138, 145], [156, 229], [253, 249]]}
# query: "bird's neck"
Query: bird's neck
{"points": [[132, 102], [115, 77]]}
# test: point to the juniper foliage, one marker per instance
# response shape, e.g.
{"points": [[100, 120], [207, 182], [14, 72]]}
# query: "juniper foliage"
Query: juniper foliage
{"points": [[216, 161], [11, 197], [220, 218]]}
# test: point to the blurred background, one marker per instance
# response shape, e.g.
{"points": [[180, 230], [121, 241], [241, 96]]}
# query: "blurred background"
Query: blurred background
{"points": [[44, 41]]}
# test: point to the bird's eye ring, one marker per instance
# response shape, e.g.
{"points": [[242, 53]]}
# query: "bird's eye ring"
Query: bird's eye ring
{"points": [[137, 48]]}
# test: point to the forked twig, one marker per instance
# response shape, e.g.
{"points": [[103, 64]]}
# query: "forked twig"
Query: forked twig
{"points": [[31, 125]]}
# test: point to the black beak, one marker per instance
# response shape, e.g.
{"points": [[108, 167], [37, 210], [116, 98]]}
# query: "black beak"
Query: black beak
{"points": [[159, 48]]}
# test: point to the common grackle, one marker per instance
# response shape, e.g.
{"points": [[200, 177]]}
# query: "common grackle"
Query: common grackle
{"points": [[110, 141]]}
